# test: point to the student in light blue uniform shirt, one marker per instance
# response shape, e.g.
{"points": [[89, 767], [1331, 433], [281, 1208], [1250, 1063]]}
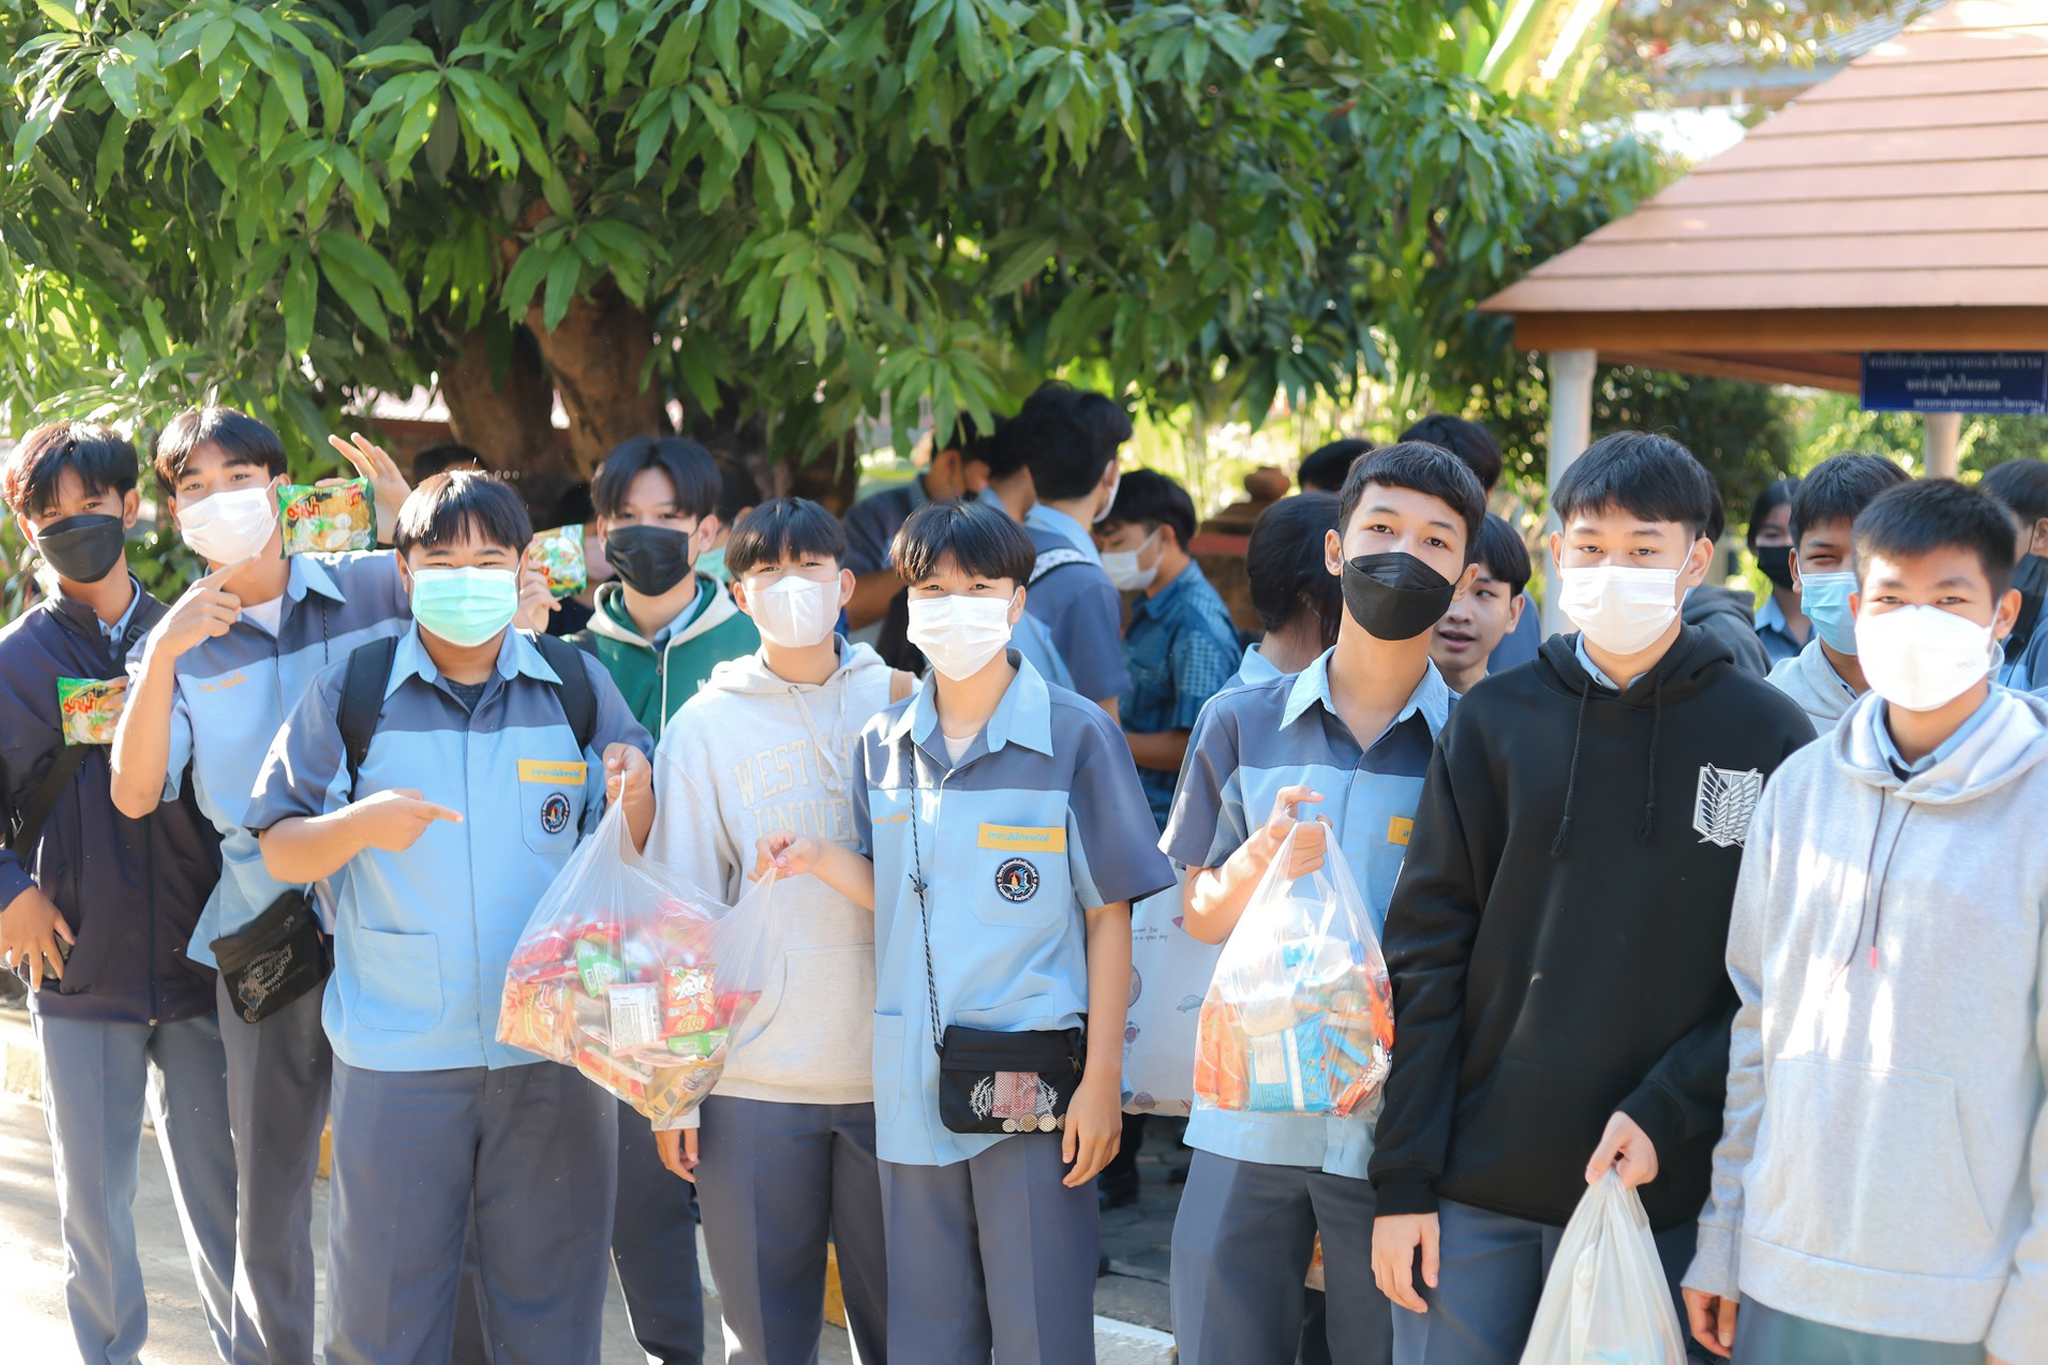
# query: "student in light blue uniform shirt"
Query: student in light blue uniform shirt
{"points": [[1263, 1185], [1070, 439], [1006, 816], [472, 794], [1298, 600], [207, 692]]}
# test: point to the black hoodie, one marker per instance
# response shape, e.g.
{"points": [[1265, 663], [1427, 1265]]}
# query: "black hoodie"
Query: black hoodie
{"points": [[1557, 934]]}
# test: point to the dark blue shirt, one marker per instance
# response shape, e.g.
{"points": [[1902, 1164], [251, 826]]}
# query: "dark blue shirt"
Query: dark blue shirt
{"points": [[1181, 649]]}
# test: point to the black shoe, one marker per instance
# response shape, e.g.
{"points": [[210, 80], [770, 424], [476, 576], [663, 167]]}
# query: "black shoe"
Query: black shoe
{"points": [[1118, 1196]]}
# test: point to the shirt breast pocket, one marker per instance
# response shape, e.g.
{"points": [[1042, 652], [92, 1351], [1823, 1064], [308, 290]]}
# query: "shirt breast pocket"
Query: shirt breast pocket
{"points": [[551, 803], [1020, 874]]}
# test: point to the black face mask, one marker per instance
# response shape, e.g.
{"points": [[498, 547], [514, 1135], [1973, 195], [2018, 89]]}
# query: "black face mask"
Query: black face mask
{"points": [[85, 548], [649, 559], [1776, 562], [1395, 596]]}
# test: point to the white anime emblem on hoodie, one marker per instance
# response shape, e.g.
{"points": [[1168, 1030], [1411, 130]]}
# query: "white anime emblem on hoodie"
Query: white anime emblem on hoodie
{"points": [[1725, 803]]}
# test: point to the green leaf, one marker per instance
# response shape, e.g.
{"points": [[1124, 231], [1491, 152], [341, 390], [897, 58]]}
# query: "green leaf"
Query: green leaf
{"points": [[529, 272], [360, 259], [301, 298], [112, 156], [1026, 262], [564, 274]]}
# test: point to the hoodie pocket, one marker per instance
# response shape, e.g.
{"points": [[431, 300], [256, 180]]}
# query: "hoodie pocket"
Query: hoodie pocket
{"points": [[806, 1031], [1865, 1166]]}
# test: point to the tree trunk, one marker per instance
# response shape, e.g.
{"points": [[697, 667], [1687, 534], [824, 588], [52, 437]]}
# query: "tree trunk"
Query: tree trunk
{"points": [[597, 357], [512, 427]]}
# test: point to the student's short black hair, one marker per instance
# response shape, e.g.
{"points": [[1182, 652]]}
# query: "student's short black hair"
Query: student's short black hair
{"points": [[998, 451], [1840, 487], [1717, 514], [443, 455], [689, 466], [1426, 469], [1068, 437], [1918, 518], [1145, 497], [462, 504], [1778, 493], [1468, 441], [99, 455], [1503, 555], [1641, 473], [1324, 469], [980, 539], [574, 507], [782, 529], [1284, 561], [737, 490], [2021, 485], [965, 433], [240, 438]]}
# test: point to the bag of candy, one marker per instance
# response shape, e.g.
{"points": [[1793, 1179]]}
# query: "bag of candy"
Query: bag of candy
{"points": [[1606, 1298], [328, 520], [559, 555], [1299, 1017], [636, 978]]}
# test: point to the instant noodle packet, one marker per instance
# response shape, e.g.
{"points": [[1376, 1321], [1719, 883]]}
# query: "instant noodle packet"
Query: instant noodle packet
{"points": [[329, 520], [91, 708], [559, 555]]}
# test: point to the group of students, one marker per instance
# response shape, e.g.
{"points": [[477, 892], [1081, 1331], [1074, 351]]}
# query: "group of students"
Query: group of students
{"points": [[1638, 918]]}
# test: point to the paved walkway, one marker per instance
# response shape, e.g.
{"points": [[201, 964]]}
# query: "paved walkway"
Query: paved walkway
{"points": [[1132, 1300]]}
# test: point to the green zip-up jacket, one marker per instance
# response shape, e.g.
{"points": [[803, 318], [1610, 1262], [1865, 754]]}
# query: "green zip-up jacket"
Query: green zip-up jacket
{"points": [[654, 682]]}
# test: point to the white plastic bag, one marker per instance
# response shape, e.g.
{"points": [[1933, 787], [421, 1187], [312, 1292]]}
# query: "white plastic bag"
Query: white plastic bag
{"points": [[1299, 1017], [1170, 971], [1606, 1298]]}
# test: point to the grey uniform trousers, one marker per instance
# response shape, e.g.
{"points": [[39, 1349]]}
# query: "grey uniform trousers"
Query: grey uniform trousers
{"points": [[98, 1077], [776, 1182], [992, 1256], [1241, 1248], [532, 1149], [654, 1249], [279, 1073]]}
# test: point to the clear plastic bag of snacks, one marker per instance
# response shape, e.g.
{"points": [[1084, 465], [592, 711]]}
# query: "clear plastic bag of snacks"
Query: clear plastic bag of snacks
{"points": [[1299, 1017], [1606, 1298], [327, 518], [558, 554], [635, 978]]}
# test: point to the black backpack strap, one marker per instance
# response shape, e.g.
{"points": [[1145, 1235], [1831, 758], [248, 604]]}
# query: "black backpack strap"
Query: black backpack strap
{"points": [[362, 700], [578, 697], [1053, 559], [34, 813]]}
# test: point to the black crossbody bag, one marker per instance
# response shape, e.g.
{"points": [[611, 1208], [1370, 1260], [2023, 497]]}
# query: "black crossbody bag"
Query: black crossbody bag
{"points": [[276, 959], [994, 1080]]}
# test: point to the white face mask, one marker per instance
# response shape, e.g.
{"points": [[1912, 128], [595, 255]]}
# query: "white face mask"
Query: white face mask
{"points": [[960, 634], [1123, 570], [1102, 512], [231, 526], [793, 611], [1620, 609], [1922, 658]]}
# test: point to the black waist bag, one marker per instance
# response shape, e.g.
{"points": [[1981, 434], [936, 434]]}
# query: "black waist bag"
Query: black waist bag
{"points": [[274, 961], [996, 1082]]}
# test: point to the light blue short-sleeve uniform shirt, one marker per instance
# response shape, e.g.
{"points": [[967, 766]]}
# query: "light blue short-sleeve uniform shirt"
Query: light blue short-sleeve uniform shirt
{"points": [[1041, 821], [234, 691], [422, 938], [1250, 743]]}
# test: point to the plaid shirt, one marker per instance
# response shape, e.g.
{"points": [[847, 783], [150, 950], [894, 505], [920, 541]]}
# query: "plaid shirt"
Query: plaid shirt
{"points": [[1181, 649]]}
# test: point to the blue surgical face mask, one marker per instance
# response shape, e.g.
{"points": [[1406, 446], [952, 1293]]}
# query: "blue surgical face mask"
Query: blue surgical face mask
{"points": [[464, 606], [1824, 597]]}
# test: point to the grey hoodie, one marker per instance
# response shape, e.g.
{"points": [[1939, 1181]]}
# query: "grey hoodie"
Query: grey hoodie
{"points": [[1809, 679], [1729, 615], [748, 755], [1884, 1159]]}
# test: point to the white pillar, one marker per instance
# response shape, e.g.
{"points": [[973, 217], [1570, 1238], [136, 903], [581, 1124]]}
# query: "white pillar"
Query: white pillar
{"points": [[1944, 430], [1571, 431]]}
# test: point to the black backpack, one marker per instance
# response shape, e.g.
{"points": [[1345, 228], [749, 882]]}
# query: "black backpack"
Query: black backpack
{"points": [[369, 677]]}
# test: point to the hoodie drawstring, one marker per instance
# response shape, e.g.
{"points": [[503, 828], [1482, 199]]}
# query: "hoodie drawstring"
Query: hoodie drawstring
{"points": [[1571, 781], [835, 781], [1650, 786], [1872, 912]]}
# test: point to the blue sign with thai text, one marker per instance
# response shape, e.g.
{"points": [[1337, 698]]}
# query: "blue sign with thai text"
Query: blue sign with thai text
{"points": [[2012, 382]]}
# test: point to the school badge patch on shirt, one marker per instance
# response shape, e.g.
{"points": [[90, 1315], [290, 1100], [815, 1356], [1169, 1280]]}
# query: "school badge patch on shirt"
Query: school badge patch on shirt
{"points": [[1725, 803], [1016, 880]]}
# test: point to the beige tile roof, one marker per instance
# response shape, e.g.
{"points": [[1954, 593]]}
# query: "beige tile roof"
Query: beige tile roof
{"points": [[1863, 216]]}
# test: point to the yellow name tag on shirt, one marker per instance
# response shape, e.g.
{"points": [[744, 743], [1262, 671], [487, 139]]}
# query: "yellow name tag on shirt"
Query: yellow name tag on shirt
{"points": [[1398, 830], [553, 773], [1025, 838]]}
